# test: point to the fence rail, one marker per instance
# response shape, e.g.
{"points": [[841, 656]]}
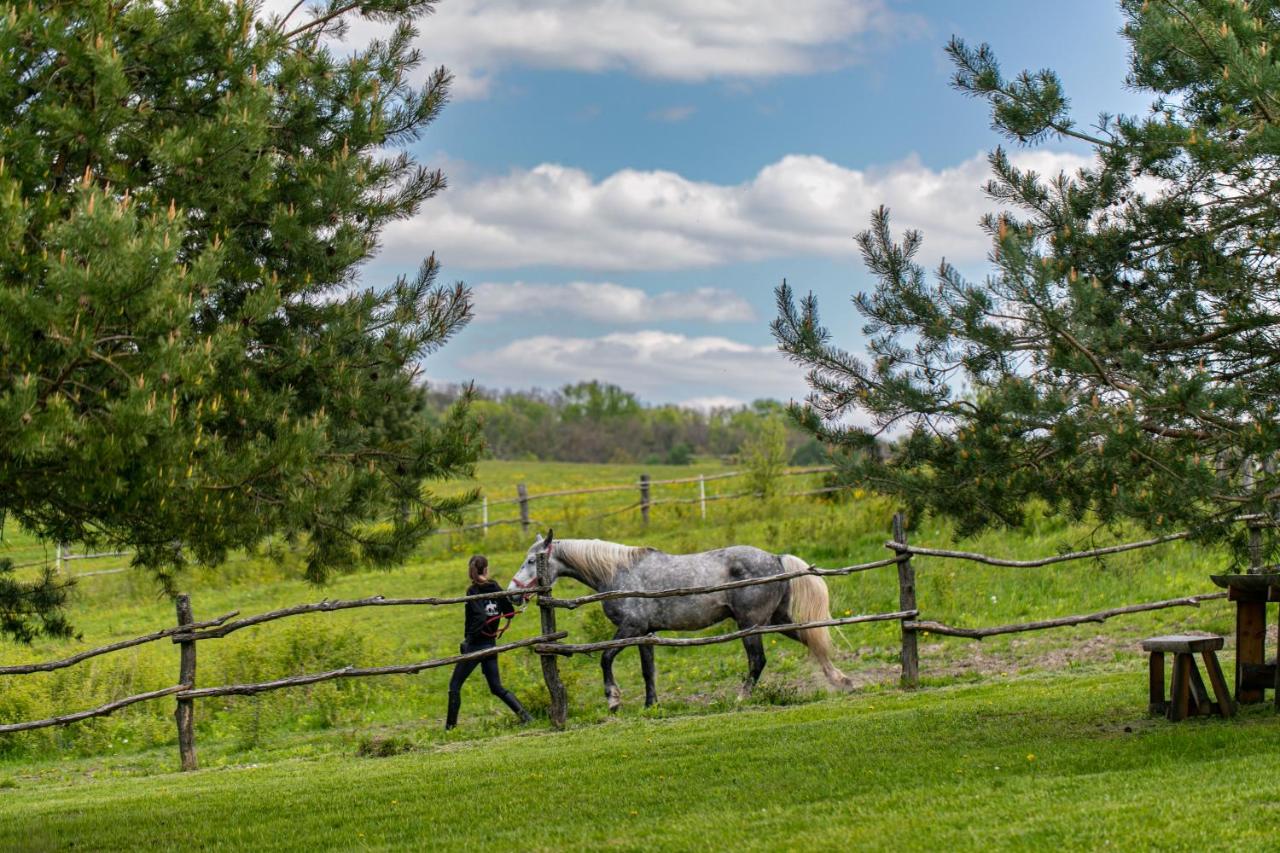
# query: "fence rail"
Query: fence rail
{"points": [[1062, 621], [654, 640], [49, 666], [362, 672], [1032, 564], [188, 635], [907, 594], [100, 711]]}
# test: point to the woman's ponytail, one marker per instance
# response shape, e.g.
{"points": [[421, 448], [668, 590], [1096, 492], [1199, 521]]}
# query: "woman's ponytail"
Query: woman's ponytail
{"points": [[477, 567]]}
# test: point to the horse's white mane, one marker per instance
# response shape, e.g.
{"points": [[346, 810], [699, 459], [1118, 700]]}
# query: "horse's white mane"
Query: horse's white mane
{"points": [[597, 560]]}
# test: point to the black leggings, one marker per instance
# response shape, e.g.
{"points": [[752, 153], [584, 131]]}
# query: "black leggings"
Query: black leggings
{"points": [[489, 666]]}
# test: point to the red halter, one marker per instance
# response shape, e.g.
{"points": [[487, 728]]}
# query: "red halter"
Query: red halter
{"points": [[532, 581]]}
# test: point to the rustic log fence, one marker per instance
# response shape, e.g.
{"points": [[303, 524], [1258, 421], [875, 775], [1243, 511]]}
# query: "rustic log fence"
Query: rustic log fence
{"points": [[188, 633], [911, 628]]}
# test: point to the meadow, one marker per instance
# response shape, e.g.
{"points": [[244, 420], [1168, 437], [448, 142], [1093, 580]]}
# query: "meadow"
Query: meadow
{"points": [[1064, 696]]}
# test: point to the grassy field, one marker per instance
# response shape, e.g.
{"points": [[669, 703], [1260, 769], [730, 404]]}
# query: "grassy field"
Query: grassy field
{"points": [[314, 735], [1039, 762]]}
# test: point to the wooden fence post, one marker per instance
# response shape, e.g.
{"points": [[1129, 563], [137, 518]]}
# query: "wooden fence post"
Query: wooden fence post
{"points": [[523, 493], [644, 499], [907, 601], [702, 494], [185, 715], [559, 709], [484, 515]]}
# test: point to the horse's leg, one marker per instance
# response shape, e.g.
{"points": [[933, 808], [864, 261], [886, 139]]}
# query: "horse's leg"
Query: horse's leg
{"points": [[755, 664], [646, 668], [612, 694]]}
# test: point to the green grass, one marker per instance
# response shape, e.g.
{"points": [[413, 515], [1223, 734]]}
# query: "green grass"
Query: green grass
{"points": [[1037, 762], [308, 737]]}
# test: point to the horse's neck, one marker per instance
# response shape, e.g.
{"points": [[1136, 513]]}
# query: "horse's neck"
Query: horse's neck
{"points": [[567, 571]]}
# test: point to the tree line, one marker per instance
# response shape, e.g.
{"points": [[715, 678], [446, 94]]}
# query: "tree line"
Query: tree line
{"points": [[601, 422]]}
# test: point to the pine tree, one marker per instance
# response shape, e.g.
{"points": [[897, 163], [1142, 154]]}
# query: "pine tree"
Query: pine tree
{"points": [[188, 363], [1122, 359]]}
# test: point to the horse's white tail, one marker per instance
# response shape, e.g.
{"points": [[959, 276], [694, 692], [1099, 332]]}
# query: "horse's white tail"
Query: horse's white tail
{"points": [[810, 602]]}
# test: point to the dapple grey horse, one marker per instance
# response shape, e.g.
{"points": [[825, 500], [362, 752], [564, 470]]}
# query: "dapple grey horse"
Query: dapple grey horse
{"points": [[607, 566]]}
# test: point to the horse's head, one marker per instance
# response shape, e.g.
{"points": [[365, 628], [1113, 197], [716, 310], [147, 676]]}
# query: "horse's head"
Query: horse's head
{"points": [[527, 575]]}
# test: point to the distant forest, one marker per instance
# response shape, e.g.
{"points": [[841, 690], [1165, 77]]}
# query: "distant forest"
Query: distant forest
{"points": [[598, 422]]}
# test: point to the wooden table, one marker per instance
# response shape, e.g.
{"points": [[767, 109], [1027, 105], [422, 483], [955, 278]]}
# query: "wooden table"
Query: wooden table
{"points": [[1251, 593]]}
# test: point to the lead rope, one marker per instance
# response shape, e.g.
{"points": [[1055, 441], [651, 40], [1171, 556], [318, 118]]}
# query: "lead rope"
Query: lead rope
{"points": [[508, 616], [524, 605]]}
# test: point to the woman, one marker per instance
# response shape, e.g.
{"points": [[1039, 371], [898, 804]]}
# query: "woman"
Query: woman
{"points": [[481, 632]]}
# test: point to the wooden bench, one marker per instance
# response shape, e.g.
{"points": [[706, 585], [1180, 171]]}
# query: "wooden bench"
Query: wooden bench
{"points": [[1187, 694]]}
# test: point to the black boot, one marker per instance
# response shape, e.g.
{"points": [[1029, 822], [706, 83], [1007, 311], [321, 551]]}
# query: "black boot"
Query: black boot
{"points": [[455, 702], [514, 704]]}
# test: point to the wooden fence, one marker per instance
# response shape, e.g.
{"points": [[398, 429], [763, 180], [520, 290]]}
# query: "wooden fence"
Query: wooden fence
{"points": [[643, 487], [188, 633], [911, 628], [64, 555]]}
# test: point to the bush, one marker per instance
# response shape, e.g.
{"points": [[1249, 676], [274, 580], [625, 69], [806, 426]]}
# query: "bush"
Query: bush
{"points": [[680, 454], [764, 455]]}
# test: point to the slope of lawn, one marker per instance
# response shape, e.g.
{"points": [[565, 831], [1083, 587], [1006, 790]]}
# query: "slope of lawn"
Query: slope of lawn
{"points": [[1032, 762]]}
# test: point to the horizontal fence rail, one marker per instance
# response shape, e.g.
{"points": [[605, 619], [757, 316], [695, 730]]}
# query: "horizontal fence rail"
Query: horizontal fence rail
{"points": [[1032, 564], [49, 666], [100, 711], [331, 606], [654, 640], [907, 592], [363, 672], [1062, 621]]}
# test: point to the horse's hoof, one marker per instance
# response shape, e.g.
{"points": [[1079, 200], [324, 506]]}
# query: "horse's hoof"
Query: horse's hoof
{"points": [[614, 695]]}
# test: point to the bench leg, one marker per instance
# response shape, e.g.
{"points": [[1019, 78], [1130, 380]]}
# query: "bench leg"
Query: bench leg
{"points": [[1251, 635], [1218, 682], [1199, 704], [1180, 692], [1157, 705]]}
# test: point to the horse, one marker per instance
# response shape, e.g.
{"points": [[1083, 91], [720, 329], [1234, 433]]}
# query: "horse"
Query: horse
{"points": [[607, 566]]}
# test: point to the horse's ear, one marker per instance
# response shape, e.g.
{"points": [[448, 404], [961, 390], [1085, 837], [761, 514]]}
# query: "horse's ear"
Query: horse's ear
{"points": [[550, 537]]}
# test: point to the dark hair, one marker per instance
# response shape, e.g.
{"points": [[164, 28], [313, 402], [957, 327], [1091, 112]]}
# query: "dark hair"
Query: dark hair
{"points": [[477, 566]]}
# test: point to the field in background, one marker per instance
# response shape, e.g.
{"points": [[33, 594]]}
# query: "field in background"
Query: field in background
{"points": [[343, 717]]}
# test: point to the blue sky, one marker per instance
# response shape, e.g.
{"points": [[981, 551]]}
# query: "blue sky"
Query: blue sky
{"points": [[629, 180]]}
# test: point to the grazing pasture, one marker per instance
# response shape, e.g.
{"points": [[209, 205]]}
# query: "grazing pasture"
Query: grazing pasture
{"points": [[1052, 675]]}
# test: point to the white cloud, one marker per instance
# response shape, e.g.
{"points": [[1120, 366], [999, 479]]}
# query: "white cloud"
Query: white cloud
{"points": [[655, 365], [711, 403], [802, 205], [606, 302], [671, 115], [666, 39]]}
